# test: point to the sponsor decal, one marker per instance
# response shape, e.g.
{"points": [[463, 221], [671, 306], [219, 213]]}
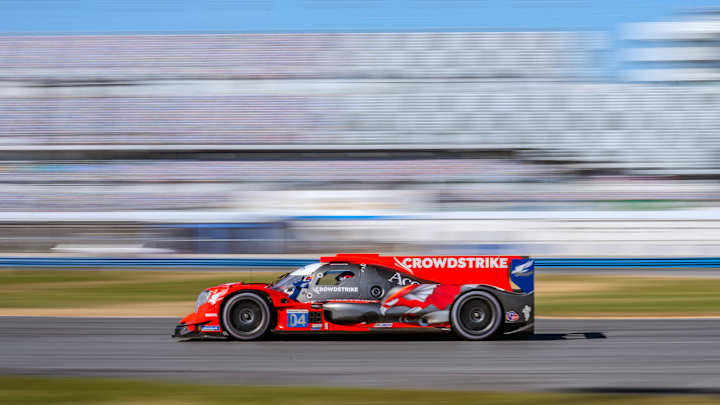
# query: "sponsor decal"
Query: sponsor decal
{"points": [[211, 314], [383, 325], [403, 265], [210, 329], [522, 274], [316, 326], [358, 301], [214, 297], [512, 316], [297, 318], [523, 269], [453, 263], [398, 279], [526, 312], [333, 288]]}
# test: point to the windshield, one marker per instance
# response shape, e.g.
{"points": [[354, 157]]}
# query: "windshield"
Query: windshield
{"points": [[279, 279], [287, 280]]}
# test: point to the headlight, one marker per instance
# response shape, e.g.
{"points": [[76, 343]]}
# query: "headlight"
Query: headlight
{"points": [[201, 299]]}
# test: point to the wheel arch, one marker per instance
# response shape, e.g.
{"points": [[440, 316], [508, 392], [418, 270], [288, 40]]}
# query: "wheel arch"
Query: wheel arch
{"points": [[486, 288], [261, 294]]}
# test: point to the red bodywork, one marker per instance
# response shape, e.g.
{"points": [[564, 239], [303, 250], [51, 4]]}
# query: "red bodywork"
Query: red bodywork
{"points": [[490, 270], [443, 278]]}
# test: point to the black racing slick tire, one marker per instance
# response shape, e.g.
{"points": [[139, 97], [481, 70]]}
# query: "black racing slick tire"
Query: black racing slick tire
{"points": [[476, 315], [246, 316]]}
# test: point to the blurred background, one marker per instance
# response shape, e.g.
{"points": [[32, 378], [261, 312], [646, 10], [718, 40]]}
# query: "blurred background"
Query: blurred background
{"points": [[180, 144], [547, 128]]}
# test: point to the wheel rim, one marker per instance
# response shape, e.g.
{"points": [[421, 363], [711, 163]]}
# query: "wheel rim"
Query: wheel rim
{"points": [[246, 317], [477, 316]]}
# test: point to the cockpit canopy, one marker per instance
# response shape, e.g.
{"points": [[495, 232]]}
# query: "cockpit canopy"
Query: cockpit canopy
{"points": [[286, 282], [340, 281]]}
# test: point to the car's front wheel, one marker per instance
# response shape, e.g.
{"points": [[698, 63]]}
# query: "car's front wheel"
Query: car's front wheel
{"points": [[246, 316], [476, 315]]}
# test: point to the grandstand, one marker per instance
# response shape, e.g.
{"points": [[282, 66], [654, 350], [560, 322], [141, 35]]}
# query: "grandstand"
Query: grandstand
{"points": [[415, 55], [621, 126], [536, 93], [129, 135], [679, 51]]}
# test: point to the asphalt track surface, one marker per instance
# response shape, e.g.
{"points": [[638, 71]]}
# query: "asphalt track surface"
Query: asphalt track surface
{"points": [[669, 355]]}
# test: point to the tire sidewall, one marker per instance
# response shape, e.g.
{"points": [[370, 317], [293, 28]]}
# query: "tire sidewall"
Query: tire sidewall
{"points": [[464, 298], [264, 307]]}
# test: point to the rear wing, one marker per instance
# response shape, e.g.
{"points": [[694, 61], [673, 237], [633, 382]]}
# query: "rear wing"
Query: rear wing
{"points": [[510, 273]]}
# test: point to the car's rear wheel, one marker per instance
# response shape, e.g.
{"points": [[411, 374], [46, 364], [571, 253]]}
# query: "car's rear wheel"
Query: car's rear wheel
{"points": [[246, 316], [476, 315]]}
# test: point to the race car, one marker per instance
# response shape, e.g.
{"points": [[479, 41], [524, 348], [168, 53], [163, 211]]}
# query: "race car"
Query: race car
{"points": [[477, 297]]}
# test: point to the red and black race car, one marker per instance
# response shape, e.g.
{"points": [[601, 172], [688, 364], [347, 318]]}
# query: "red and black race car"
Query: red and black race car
{"points": [[478, 297]]}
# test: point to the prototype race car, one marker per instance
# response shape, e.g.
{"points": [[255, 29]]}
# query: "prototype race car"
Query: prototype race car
{"points": [[478, 297]]}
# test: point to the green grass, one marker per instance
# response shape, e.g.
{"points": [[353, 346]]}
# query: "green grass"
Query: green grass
{"points": [[627, 296], [556, 295], [79, 391], [81, 288]]}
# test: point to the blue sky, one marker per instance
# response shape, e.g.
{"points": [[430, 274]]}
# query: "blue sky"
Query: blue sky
{"points": [[149, 16]]}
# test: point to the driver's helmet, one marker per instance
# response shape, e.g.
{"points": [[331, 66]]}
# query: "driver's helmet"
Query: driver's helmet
{"points": [[345, 275]]}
